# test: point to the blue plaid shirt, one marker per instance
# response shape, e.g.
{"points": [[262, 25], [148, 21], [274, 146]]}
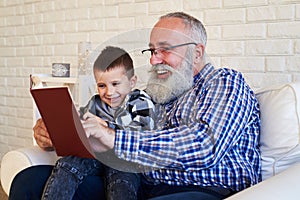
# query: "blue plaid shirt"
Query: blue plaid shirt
{"points": [[209, 136]]}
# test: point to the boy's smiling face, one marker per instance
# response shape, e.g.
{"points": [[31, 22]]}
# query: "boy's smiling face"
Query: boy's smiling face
{"points": [[114, 85]]}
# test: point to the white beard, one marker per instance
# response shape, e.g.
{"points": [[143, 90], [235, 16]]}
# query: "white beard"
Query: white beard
{"points": [[165, 90]]}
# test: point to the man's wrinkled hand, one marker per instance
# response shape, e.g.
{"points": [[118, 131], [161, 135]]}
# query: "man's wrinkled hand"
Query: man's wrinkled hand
{"points": [[41, 135]]}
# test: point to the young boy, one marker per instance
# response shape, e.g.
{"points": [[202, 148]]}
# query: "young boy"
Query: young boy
{"points": [[116, 106]]}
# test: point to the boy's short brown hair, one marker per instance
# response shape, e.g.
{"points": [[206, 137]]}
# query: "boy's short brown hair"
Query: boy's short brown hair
{"points": [[112, 57]]}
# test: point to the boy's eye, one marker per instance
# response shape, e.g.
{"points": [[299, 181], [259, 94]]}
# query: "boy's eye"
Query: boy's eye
{"points": [[101, 86], [116, 83]]}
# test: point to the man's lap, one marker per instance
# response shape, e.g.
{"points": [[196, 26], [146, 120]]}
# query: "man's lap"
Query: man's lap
{"points": [[29, 184]]}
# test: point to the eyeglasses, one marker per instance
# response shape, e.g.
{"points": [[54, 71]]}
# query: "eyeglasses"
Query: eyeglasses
{"points": [[163, 50]]}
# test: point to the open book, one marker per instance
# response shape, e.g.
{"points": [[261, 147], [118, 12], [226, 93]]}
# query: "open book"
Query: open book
{"points": [[60, 116]]}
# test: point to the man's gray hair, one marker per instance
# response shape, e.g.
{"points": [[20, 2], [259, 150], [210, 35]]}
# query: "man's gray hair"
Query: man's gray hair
{"points": [[197, 30]]}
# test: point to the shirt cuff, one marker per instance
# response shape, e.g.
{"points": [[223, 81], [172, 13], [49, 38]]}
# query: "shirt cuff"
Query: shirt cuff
{"points": [[126, 145]]}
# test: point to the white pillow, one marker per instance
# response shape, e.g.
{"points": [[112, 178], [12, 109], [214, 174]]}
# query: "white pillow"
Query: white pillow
{"points": [[280, 127]]}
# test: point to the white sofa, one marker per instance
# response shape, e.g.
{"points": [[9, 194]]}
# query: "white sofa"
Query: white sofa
{"points": [[280, 138]]}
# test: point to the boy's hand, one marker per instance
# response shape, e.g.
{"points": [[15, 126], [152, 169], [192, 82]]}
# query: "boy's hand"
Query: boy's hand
{"points": [[98, 119], [102, 138]]}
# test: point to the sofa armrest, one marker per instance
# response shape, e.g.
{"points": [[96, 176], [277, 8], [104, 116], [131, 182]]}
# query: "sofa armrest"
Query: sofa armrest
{"points": [[15, 161], [280, 186]]}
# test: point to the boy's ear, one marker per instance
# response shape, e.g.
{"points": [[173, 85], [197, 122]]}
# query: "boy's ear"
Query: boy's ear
{"points": [[133, 81]]}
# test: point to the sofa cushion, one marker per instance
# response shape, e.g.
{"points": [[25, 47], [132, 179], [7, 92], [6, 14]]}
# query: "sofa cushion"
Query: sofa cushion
{"points": [[280, 127]]}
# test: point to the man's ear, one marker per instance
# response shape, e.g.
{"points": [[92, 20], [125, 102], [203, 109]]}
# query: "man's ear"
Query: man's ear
{"points": [[199, 53], [133, 81]]}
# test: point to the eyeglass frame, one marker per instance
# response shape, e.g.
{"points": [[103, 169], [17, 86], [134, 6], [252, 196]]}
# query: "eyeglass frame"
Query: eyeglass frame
{"points": [[153, 51]]}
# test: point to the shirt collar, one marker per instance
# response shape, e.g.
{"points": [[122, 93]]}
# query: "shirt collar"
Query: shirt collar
{"points": [[207, 69]]}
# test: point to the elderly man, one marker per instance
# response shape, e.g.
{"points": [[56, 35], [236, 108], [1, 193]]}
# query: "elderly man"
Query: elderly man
{"points": [[207, 140]]}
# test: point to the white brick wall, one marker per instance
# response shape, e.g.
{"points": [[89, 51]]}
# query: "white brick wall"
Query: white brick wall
{"points": [[261, 38]]}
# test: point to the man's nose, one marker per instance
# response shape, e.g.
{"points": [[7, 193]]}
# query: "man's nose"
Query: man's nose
{"points": [[156, 58]]}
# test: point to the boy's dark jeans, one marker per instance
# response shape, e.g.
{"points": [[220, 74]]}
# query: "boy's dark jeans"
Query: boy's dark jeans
{"points": [[70, 171], [67, 174], [121, 185]]}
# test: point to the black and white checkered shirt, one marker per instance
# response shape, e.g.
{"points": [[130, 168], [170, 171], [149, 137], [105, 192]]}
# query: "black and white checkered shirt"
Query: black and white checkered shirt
{"points": [[136, 112]]}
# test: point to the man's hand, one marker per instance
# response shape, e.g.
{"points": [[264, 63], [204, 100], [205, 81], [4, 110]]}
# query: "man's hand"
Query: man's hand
{"points": [[101, 137], [41, 135]]}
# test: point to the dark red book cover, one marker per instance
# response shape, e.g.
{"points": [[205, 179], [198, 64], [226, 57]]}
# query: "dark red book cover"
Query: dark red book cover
{"points": [[62, 121]]}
